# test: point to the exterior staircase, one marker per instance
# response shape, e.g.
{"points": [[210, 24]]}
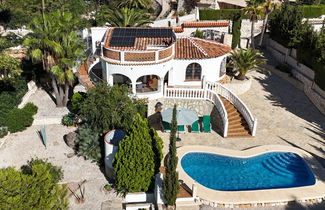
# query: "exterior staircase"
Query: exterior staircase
{"points": [[83, 75], [237, 125]]}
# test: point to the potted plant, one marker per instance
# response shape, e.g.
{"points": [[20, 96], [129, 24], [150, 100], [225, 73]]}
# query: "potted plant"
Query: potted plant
{"points": [[108, 188]]}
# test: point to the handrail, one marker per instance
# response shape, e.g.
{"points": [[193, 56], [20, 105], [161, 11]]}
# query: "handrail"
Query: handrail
{"points": [[206, 94], [237, 102]]}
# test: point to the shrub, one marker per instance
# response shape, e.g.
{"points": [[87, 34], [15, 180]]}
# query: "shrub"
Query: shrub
{"points": [[181, 13], [134, 163], [35, 186], [76, 101], [198, 34], [284, 68], [110, 107], [18, 120], [89, 144], [151, 10], [3, 132], [68, 119], [31, 108], [108, 187]]}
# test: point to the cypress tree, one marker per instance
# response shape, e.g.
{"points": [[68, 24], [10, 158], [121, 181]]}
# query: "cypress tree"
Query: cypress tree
{"points": [[134, 163], [171, 185]]}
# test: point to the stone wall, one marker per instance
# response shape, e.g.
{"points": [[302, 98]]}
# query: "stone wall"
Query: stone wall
{"points": [[202, 107], [299, 71]]}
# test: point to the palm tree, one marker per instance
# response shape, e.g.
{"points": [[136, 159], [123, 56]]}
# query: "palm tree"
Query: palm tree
{"points": [[43, 46], [268, 6], [135, 3], [244, 61], [126, 17], [59, 49], [63, 72], [253, 9]]}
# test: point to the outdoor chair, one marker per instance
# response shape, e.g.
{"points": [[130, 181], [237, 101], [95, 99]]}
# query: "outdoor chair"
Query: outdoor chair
{"points": [[166, 126], [195, 128], [206, 124], [181, 128]]}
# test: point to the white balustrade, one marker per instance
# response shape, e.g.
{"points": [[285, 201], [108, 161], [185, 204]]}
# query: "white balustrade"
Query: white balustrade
{"points": [[237, 102], [205, 94]]}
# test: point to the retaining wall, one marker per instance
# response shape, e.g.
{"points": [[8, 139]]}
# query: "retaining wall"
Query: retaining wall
{"points": [[300, 72], [31, 90]]}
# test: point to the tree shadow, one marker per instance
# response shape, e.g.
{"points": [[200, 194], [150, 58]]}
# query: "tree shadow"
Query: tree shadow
{"points": [[295, 205], [285, 95]]}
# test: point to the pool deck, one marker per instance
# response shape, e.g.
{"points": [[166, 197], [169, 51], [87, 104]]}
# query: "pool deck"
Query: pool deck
{"points": [[255, 197]]}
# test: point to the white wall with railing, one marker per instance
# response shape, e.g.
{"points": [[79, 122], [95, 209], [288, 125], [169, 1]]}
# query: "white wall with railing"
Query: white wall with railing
{"points": [[201, 94], [237, 102]]}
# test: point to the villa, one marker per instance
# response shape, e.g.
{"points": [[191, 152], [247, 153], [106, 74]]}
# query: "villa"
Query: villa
{"points": [[155, 63]]}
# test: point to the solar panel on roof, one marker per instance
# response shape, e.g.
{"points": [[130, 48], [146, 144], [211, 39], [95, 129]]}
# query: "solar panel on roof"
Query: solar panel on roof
{"points": [[125, 37]]}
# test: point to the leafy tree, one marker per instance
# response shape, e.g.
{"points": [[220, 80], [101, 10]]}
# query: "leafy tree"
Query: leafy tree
{"points": [[189, 5], [134, 163], [157, 146], [22, 12], [107, 108], [171, 185], [35, 186], [244, 61], [253, 9], [9, 66], [286, 25], [267, 7], [89, 143], [236, 26], [126, 17]]}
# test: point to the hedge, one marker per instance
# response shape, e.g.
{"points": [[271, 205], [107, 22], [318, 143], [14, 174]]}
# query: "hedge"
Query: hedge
{"points": [[222, 14], [309, 11], [313, 11]]}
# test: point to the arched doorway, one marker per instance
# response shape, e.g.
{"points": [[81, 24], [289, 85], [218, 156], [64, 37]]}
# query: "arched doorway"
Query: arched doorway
{"points": [[148, 83]]}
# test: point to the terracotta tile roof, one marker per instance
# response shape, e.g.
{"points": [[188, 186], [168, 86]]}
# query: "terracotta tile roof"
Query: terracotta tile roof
{"points": [[205, 24], [195, 48], [178, 29]]}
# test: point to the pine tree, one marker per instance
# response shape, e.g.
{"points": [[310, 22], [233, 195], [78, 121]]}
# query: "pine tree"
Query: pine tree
{"points": [[157, 146], [171, 185], [134, 163], [35, 186]]}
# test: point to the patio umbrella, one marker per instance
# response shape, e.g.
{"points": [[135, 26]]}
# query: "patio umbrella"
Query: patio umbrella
{"points": [[183, 116]]}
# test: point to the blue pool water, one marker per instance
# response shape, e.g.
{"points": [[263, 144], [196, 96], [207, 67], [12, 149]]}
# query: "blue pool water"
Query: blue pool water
{"points": [[267, 171]]}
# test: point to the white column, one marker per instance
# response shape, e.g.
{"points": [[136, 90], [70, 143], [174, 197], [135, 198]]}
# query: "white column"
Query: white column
{"points": [[110, 80], [134, 87]]}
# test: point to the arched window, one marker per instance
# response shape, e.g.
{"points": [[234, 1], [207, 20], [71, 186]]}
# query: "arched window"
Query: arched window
{"points": [[193, 72]]}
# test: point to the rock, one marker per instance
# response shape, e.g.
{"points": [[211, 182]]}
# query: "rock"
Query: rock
{"points": [[70, 139], [70, 155]]}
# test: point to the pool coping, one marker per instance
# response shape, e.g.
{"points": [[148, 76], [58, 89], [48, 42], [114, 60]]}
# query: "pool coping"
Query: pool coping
{"points": [[255, 197]]}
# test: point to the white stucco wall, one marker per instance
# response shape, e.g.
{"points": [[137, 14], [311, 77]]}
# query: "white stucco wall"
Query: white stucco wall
{"points": [[135, 72], [97, 34], [176, 69], [210, 70]]}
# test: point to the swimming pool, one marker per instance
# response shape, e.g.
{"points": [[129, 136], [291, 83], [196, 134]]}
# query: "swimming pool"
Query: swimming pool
{"points": [[267, 171]]}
